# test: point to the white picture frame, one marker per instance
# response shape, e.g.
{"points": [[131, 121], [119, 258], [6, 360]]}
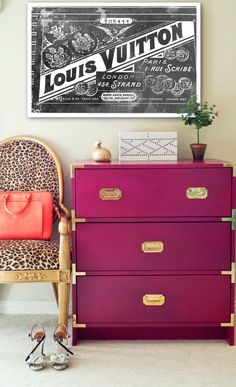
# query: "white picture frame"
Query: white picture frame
{"points": [[112, 59]]}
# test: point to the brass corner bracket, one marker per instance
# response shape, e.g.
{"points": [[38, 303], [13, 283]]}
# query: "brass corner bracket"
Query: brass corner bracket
{"points": [[229, 324], [75, 324], [232, 219], [75, 220], [73, 167], [231, 165], [76, 273], [231, 272]]}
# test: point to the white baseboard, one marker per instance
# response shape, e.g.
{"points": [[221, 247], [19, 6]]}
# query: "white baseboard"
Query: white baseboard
{"points": [[28, 307]]}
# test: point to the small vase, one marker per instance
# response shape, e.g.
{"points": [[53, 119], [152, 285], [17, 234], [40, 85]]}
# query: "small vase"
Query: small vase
{"points": [[101, 154], [198, 151]]}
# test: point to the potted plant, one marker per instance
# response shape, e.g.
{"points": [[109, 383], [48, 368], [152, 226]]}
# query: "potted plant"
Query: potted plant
{"points": [[199, 115]]}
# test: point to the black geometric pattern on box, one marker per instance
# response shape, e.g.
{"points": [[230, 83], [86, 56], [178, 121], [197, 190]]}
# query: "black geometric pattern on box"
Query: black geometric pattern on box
{"points": [[138, 147]]}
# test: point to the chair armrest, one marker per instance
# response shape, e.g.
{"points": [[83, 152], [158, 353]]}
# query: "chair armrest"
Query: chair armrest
{"points": [[65, 210], [64, 226], [60, 210], [64, 244]]}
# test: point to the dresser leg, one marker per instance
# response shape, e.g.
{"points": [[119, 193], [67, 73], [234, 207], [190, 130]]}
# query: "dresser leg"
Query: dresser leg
{"points": [[230, 336], [74, 336]]}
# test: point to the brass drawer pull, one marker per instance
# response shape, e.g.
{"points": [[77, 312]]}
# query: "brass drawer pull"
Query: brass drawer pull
{"points": [[197, 193], [110, 194], [154, 299], [152, 247]]}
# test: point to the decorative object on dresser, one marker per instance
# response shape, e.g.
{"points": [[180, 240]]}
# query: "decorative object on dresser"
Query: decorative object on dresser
{"points": [[100, 154], [153, 250], [199, 115], [28, 164], [146, 146]]}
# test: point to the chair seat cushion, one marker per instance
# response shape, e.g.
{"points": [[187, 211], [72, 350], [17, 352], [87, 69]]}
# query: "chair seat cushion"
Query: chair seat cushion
{"points": [[28, 255]]}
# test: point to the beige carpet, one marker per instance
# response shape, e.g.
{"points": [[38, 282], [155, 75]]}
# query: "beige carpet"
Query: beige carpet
{"points": [[115, 363]]}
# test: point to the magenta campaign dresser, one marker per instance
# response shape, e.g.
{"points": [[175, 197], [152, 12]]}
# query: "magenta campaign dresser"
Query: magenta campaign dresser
{"points": [[153, 250]]}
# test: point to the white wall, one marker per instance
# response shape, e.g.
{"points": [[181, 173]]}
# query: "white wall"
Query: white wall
{"points": [[73, 138]]}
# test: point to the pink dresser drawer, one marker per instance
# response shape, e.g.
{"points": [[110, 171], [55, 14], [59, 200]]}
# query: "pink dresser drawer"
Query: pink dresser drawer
{"points": [[153, 192], [126, 246], [178, 299]]}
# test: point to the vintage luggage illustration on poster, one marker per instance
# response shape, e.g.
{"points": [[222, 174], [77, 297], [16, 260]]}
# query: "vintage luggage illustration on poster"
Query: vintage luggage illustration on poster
{"points": [[112, 59]]}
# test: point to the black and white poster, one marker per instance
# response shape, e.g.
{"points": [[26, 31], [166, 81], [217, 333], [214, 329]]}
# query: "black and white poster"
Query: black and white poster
{"points": [[112, 59]]}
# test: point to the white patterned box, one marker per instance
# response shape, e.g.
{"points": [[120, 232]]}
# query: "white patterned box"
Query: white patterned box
{"points": [[147, 146]]}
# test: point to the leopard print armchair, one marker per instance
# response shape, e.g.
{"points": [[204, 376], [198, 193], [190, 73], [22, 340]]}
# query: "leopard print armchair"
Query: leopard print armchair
{"points": [[28, 164]]}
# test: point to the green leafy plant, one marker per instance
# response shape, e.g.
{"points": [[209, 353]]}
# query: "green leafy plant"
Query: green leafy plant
{"points": [[199, 115]]}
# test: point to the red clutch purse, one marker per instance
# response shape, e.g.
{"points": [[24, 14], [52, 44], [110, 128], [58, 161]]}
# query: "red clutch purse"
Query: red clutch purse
{"points": [[26, 215]]}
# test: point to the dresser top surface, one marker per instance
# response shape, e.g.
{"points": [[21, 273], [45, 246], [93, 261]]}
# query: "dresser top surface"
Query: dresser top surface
{"points": [[90, 164]]}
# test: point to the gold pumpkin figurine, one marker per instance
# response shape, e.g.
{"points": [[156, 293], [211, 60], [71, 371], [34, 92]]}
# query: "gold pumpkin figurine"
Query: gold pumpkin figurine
{"points": [[100, 154]]}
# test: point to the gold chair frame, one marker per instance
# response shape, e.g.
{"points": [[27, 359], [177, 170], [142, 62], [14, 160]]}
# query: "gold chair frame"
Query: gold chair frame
{"points": [[60, 278]]}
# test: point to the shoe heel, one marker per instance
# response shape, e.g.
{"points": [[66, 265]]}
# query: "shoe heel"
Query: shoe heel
{"points": [[61, 358], [36, 358]]}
